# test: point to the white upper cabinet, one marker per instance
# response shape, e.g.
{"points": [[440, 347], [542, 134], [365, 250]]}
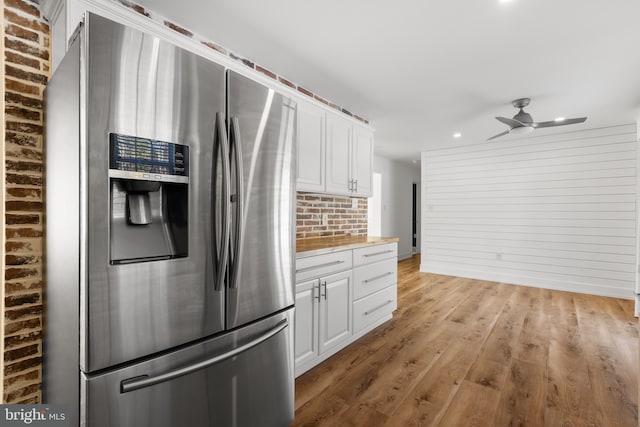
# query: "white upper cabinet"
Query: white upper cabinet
{"points": [[349, 158], [362, 165], [338, 177], [311, 145]]}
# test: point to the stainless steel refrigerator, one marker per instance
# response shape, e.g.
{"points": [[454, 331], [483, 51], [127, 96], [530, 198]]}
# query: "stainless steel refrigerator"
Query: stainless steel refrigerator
{"points": [[170, 194]]}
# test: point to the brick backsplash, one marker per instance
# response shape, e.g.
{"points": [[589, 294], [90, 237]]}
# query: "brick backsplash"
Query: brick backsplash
{"points": [[342, 218], [27, 68]]}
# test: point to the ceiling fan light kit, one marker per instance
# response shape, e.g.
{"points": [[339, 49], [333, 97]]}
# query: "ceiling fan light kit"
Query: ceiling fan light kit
{"points": [[522, 122]]}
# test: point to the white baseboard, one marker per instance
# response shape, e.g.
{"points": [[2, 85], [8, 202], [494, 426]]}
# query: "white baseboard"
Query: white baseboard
{"points": [[524, 280]]}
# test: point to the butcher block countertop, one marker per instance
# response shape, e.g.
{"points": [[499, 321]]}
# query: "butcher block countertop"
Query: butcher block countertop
{"points": [[325, 245]]}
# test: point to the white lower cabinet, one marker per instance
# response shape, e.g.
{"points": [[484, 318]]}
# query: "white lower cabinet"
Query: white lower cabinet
{"points": [[323, 315], [368, 279], [376, 278], [374, 307], [335, 310], [306, 323], [336, 304]]}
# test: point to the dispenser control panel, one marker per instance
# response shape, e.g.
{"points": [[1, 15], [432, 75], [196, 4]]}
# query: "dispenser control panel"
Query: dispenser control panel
{"points": [[132, 157]]}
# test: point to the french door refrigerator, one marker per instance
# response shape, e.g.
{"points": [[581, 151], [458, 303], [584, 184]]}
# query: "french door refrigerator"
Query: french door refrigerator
{"points": [[170, 193]]}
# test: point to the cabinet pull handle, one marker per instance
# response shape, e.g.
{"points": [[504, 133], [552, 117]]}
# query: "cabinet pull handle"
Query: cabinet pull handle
{"points": [[373, 279], [325, 290], [366, 313], [313, 267], [353, 185], [314, 291], [379, 253]]}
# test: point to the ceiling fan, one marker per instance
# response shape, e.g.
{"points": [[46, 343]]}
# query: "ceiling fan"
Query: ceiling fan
{"points": [[523, 122]]}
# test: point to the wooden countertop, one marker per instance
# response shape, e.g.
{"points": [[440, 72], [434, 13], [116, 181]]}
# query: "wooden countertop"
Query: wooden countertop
{"points": [[324, 245]]}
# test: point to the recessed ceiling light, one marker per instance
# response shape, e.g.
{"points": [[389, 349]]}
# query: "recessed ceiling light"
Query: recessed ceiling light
{"points": [[457, 135], [504, 1], [559, 119]]}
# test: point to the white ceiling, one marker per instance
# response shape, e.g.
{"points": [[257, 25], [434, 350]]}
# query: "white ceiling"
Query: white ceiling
{"points": [[421, 70]]}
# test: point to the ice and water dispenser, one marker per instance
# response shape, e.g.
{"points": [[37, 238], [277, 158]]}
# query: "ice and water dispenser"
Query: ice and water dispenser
{"points": [[149, 187]]}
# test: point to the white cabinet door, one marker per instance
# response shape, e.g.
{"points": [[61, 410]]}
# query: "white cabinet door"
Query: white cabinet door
{"points": [[335, 309], [306, 322], [362, 165], [311, 146], [338, 175]]}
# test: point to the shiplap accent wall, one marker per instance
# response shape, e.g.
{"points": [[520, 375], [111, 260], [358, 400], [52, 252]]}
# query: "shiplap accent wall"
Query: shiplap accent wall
{"points": [[555, 211]]}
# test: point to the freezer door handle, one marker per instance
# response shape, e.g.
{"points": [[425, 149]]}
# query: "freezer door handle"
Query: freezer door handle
{"points": [[221, 245], [143, 381], [236, 243]]}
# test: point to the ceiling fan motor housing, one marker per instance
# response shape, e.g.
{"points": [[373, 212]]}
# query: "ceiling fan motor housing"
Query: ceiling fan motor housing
{"points": [[523, 117]]}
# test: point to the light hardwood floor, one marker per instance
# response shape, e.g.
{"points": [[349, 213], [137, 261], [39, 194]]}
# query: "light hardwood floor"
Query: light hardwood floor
{"points": [[462, 352]]}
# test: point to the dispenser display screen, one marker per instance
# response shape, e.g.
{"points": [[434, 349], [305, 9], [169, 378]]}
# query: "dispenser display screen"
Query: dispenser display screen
{"points": [[134, 154]]}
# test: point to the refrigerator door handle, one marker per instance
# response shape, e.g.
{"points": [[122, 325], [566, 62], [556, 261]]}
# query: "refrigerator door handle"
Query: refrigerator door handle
{"points": [[222, 245], [236, 150], [143, 381]]}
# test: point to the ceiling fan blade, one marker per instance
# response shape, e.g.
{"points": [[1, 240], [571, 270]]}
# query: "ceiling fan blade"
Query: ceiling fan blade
{"points": [[512, 123], [560, 123], [498, 135]]}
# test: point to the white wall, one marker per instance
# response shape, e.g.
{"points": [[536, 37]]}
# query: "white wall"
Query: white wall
{"points": [[374, 208], [637, 278], [397, 200], [555, 211]]}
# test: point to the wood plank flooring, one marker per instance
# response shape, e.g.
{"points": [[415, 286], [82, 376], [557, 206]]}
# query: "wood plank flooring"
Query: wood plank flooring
{"points": [[462, 352]]}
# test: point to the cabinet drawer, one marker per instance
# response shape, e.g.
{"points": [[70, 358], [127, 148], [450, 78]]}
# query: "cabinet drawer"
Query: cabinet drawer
{"points": [[371, 278], [321, 265], [375, 253], [374, 307]]}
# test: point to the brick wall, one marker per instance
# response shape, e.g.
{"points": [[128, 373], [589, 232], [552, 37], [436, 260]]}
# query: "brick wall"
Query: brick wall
{"points": [[342, 219], [26, 70]]}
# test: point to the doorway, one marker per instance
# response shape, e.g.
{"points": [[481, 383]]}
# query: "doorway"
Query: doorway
{"points": [[415, 221]]}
